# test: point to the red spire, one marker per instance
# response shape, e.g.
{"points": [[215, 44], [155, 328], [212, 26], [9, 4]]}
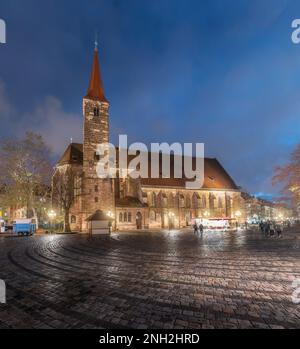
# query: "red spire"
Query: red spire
{"points": [[96, 90]]}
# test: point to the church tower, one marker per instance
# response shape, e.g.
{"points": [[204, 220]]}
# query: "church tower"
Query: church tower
{"points": [[97, 193]]}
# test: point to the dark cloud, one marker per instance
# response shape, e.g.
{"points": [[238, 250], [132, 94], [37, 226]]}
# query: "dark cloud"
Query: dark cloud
{"points": [[220, 72]]}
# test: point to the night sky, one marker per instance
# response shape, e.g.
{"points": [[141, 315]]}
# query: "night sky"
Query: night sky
{"points": [[220, 72]]}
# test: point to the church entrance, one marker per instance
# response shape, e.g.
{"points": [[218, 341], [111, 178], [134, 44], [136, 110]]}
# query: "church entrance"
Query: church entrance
{"points": [[139, 221]]}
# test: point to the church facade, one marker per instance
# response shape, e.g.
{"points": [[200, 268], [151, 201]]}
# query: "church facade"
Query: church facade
{"points": [[161, 203]]}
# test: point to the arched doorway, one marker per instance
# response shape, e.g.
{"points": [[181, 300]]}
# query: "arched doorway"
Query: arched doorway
{"points": [[139, 220]]}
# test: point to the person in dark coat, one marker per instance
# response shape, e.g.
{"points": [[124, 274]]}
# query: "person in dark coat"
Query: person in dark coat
{"points": [[195, 226], [279, 230], [201, 228]]}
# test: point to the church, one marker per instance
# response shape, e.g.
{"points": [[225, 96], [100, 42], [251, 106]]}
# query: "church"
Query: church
{"points": [[151, 203]]}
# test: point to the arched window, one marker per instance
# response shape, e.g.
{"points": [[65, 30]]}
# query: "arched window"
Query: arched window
{"points": [[153, 200], [96, 200], [171, 200], [220, 203], [129, 217], [120, 217], [96, 111], [203, 201], [73, 219], [152, 216], [188, 201], [125, 217]]}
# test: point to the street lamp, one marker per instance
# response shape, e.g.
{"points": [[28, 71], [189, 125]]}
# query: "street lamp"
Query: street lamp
{"points": [[52, 216], [171, 215]]}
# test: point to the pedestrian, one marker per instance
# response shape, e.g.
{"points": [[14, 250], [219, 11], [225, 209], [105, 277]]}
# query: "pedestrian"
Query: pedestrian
{"points": [[267, 228], [262, 226], [272, 230], [279, 231], [195, 226], [201, 227]]}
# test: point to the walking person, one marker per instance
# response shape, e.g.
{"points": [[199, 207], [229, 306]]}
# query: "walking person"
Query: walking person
{"points": [[279, 231], [272, 230], [201, 228], [267, 228], [195, 226]]}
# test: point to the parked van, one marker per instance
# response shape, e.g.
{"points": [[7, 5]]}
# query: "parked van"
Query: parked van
{"points": [[24, 227]]}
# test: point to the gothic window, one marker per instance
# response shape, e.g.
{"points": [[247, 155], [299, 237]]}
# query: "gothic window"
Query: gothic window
{"points": [[203, 201], [96, 111], [152, 216], [129, 217], [182, 200], [196, 203], [188, 201], [153, 200], [171, 200], [164, 199], [220, 203], [212, 199], [120, 217]]}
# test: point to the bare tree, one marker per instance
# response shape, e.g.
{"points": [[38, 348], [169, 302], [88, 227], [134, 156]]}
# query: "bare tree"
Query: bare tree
{"points": [[289, 177], [25, 172], [63, 184]]}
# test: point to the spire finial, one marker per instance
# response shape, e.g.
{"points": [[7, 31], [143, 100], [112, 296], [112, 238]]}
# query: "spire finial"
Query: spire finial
{"points": [[96, 41]]}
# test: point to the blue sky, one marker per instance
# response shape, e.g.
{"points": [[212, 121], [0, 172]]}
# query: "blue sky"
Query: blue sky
{"points": [[220, 72]]}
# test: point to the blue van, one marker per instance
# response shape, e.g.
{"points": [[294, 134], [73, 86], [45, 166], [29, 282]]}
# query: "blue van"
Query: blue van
{"points": [[24, 227]]}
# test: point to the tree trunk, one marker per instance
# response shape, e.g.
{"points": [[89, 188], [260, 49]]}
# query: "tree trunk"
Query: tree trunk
{"points": [[67, 222], [35, 216]]}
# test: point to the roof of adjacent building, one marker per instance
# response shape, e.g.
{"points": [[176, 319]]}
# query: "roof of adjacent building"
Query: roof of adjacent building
{"points": [[96, 89], [215, 176], [129, 201]]}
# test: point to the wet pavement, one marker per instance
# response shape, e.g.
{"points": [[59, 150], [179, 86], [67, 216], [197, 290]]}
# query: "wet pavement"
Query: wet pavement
{"points": [[151, 280]]}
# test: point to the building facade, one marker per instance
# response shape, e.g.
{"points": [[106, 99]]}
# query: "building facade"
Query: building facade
{"points": [[139, 203]]}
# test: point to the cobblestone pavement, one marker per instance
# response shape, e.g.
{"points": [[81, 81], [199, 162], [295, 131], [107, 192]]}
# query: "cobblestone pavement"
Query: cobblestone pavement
{"points": [[150, 280]]}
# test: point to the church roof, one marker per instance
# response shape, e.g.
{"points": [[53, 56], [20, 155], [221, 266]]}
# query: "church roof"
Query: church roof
{"points": [[96, 89], [215, 176], [72, 155]]}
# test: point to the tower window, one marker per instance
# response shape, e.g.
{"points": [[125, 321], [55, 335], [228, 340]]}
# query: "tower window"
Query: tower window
{"points": [[96, 188], [96, 200], [96, 111], [96, 157]]}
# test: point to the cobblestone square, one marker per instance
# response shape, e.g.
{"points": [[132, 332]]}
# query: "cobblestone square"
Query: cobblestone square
{"points": [[150, 280]]}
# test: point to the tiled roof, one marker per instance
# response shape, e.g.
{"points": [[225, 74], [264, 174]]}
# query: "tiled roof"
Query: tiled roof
{"points": [[72, 155], [215, 176], [96, 89], [129, 201]]}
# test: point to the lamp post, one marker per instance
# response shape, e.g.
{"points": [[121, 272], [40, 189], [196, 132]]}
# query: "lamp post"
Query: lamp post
{"points": [[52, 216], [171, 215]]}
